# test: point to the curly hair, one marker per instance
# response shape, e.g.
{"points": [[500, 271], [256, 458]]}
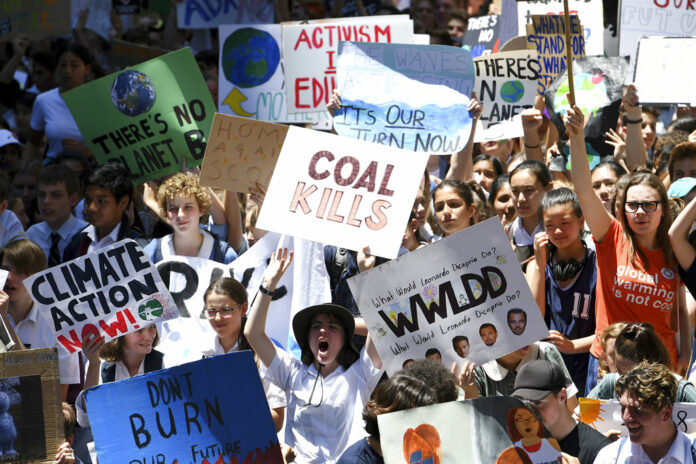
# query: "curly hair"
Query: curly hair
{"points": [[184, 185], [652, 384], [437, 375]]}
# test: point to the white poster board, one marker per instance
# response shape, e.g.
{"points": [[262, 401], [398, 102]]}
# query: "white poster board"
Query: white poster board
{"points": [[465, 285], [342, 191], [663, 65]]}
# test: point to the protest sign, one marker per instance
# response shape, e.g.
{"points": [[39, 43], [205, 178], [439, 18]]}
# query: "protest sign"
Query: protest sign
{"points": [[30, 405], [310, 54], [205, 14], [241, 153], [413, 97], [465, 287], [598, 90], [508, 21], [661, 70], [449, 291], [483, 35], [337, 190], [506, 84], [486, 430], [590, 12], [189, 413], [251, 82], [547, 36], [123, 54], [99, 18], [304, 284], [654, 17], [36, 18], [605, 415], [152, 117], [111, 292]]}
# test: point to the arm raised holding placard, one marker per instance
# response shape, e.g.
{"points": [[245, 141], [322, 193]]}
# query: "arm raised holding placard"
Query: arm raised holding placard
{"points": [[461, 164]]}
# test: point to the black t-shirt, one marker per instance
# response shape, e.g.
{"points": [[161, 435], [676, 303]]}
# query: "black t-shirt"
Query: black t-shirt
{"points": [[360, 453], [584, 442], [688, 276]]}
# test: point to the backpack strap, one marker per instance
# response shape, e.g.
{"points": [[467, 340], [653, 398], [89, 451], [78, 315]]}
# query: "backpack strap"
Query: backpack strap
{"points": [[340, 264]]}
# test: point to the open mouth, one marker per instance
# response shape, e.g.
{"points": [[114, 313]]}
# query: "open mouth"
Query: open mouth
{"points": [[323, 345], [633, 429]]}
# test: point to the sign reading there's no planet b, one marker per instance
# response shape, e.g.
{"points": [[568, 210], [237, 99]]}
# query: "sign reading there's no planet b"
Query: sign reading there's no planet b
{"points": [[152, 117], [210, 410], [413, 97], [111, 292], [464, 297], [341, 191], [483, 35]]}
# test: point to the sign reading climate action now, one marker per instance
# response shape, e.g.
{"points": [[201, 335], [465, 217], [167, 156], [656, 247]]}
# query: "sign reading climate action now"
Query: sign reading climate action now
{"points": [[150, 117], [109, 293]]}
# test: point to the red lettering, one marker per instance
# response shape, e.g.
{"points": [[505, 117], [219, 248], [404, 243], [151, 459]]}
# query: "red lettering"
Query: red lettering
{"points": [[324, 202], [334, 207], [313, 165], [364, 34], [338, 177], [377, 209], [354, 211], [386, 32], [300, 198], [317, 92], [383, 190], [689, 4], [317, 41], [367, 179], [298, 88], [331, 63], [657, 4], [303, 38], [330, 30], [71, 345], [119, 325]]}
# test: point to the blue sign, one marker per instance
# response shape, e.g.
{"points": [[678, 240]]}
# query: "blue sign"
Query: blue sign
{"points": [[207, 411], [413, 97]]}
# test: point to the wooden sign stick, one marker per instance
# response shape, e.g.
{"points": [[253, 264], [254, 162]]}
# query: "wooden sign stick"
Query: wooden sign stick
{"points": [[569, 53]]}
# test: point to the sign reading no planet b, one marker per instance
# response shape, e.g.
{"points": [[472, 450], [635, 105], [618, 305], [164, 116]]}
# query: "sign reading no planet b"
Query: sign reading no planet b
{"points": [[342, 191], [483, 35], [463, 297], [109, 293], [212, 410], [413, 97], [150, 117]]}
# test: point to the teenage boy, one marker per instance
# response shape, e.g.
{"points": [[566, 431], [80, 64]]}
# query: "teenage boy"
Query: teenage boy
{"points": [[58, 193], [108, 193], [543, 384]]}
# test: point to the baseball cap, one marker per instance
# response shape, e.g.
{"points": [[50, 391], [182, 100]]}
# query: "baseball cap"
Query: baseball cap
{"points": [[681, 187], [8, 138], [536, 379]]}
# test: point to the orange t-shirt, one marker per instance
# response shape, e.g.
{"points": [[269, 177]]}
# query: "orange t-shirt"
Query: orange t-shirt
{"points": [[627, 294]]}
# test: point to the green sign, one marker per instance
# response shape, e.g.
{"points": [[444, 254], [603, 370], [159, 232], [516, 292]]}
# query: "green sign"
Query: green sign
{"points": [[150, 117]]}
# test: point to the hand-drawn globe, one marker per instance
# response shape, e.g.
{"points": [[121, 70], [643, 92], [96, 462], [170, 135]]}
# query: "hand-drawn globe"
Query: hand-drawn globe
{"points": [[512, 91], [133, 93], [249, 57], [150, 310]]}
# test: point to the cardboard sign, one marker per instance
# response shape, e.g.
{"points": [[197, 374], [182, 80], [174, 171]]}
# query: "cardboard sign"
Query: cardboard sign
{"points": [[590, 12], [31, 400], [653, 17], [661, 70], [546, 35], [151, 117], [342, 191], [123, 54], [240, 153], [483, 430], [310, 54], [464, 289], [251, 82], [108, 293], [126, 7], [305, 283], [506, 84], [413, 97], [605, 415], [204, 14], [188, 413], [36, 18], [483, 35]]}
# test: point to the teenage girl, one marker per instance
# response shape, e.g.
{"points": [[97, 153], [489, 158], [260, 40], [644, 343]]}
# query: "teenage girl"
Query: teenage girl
{"points": [[454, 206]]}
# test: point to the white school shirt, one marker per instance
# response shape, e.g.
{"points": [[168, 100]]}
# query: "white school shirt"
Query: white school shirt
{"points": [[10, 228], [624, 451], [206, 250], [274, 395], [35, 332], [321, 434], [520, 233], [109, 239], [41, 234]]}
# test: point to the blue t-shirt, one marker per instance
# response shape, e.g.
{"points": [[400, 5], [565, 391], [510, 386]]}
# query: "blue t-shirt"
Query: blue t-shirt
{"points": [[360, 453], [572, 312]]}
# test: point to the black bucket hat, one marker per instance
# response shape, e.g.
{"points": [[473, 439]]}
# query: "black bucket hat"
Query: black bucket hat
{"points": [[302, 320]]}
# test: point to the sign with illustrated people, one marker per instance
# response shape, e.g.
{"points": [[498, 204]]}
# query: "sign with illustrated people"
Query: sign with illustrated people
{"points": [[462, 297], [413, 97], [111, 292], [153, 117], [31, 421], [500, 430], [188, 413]]}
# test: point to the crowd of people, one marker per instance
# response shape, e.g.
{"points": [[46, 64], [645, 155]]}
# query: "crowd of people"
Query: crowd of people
{"points": [[608, 253]]}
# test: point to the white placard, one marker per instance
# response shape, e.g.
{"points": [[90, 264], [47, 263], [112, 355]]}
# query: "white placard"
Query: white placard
{"points": [[663, 65]]}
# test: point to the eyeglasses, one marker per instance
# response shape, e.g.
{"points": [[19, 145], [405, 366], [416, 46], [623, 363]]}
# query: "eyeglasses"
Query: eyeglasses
{"points": [[224, 312], [529, 420], [646, 206]]}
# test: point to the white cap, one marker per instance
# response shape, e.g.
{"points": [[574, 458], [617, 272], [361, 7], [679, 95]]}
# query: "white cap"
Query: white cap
{"points": [[7, 138]]}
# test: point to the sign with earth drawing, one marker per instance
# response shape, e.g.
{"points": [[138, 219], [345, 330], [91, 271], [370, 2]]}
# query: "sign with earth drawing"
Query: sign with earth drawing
{"points": [[506, 84], [153, 117], [251, 81], [110, 293]]}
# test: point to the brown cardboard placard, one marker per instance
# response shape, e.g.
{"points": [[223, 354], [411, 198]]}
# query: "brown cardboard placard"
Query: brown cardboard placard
{"points": [[123, 54], [241, 152], [30, 386], [37, 18]]}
